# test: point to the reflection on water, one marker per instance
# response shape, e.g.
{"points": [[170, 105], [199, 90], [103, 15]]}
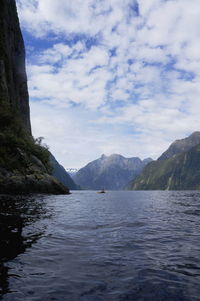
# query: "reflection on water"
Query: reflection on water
{"points": [[118, 246], [15, 213]]}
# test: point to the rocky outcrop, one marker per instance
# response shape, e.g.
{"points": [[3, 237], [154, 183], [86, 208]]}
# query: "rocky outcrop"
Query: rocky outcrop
{"points": [[23, 172], [42, 183], [109, 172], [24, 164], [179, 171]]}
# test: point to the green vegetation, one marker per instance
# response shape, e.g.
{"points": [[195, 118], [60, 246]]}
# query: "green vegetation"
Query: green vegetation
{"points": [[17, 146], [180, 172]]}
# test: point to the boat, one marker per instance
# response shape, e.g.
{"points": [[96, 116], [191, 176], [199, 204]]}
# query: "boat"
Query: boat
{"points": [[102, 191]]}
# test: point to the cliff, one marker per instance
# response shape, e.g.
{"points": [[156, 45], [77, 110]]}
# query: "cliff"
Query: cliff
{"points": [[24, 164], [13, 79]]}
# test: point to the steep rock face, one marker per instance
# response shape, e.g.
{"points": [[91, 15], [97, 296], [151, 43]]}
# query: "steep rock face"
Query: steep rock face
{"points": [[13, 80], [109, 172], [24, 164], [181, 145], [61, 175], [181, 171]]}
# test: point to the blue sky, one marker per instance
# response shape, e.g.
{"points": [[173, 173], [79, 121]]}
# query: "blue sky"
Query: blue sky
{"points": [[112, 76]]}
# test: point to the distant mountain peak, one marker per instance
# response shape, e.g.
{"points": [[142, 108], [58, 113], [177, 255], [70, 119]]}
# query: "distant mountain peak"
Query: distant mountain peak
{"points": [[111, 172], [60, 173]]}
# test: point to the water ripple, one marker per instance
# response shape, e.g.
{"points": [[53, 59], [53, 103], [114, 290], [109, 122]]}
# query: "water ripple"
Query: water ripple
{"points": [[86, 246]]}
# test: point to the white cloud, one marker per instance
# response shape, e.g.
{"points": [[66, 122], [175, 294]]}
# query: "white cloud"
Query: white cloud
{"points": [[148, 86], [55, 54], [76, 140]]}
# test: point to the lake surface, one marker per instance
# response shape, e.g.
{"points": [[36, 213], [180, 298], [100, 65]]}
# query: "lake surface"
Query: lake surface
{"points": [[99, 247]]}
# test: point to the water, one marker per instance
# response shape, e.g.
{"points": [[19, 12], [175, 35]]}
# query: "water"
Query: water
{"points": [[91, 247]]}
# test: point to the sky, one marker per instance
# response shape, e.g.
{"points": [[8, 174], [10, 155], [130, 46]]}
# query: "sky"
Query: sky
{"points": [[112, 76]]}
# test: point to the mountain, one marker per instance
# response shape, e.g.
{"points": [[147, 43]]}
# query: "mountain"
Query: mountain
{"points": [[179, 171], [109, 172], [180, 146], [61, 174], [24, 163], [71, 171]]}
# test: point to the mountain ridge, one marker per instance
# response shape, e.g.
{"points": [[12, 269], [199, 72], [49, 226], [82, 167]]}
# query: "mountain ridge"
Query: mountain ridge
{"points": [[181, 145], [109, 172], [180, 170]]}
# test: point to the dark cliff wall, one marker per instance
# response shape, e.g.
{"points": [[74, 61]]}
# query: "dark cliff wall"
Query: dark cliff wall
{"points": [[13, 79], [24, 164]]}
